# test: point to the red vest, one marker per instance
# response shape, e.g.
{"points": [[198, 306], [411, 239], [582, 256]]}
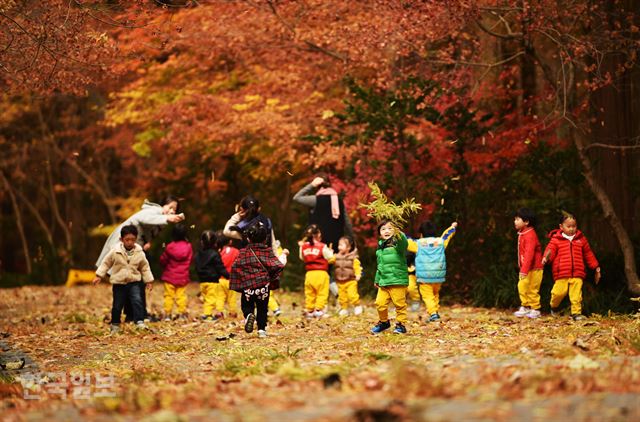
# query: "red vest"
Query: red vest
{"points": [[312, 256]]}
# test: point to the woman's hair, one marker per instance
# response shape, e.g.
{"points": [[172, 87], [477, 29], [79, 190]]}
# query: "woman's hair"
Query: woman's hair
{"points": [[179, 232], [311, 231], [428, 229], [251, 205], [130, 229], [564, 216], [208, 239], [527, 215], [382, 223], [350, 241], [257, 233], [171, 198], [327, 182]]}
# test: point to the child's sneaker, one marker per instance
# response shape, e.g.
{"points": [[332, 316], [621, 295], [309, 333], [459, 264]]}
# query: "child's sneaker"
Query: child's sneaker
{"points": [[233, 315], [521, 312], [167, 318], [400, 329], [534, 313], [115, 329], [357, 310], [380, 327], [207, 318], [577, 317], [555, 312], [262, 333], [277, 312], [434, 317], [318, 313], [140, 325], [415, 306], [343, 312], [248, 325]]}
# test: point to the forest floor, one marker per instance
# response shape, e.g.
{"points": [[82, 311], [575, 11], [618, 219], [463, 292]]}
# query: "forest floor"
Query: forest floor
{"points": [[477, 364]]}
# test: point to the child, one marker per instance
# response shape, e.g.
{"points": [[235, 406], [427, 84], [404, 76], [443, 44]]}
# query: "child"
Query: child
{"points": [[412, 289], [252, 273], [274, 303], [176, 260], [347, 272], [529, 262], [316, 256], [130, 272], [228, 253], [392, 277], [567, 252], [431, 265], [210, 269]]}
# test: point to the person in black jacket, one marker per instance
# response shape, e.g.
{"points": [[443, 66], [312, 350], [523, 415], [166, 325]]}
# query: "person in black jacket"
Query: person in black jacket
{"points": [[210, 268]]}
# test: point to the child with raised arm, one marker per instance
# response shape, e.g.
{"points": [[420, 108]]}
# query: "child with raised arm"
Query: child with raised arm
{"points": [[130, 272], [175, 261], [252, 273], [347, 272], [529, 263], [392, 277], [568, 251], [316, 256], [210, 269], [431, 265]]}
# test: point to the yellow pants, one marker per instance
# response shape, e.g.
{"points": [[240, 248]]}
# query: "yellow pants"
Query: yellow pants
{"points": [[208, 292], [430, 293], [412, 289], [560, 289], [226, 296], [396, 295], [273, 301], [348, 294], [316, 290], [179, 294], [529, 289]]}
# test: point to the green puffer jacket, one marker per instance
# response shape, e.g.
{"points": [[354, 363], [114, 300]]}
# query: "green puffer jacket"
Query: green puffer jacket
{"points": [[392, 262]]}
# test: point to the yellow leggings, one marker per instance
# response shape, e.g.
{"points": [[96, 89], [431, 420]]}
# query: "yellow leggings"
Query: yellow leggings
{"points": [[316, 290], [226, 296], [398, 296], [173, 293], [574, 287], [274, 303], [412, 289], [430, 293], [529, 289], [208, 292], [348, 293]]}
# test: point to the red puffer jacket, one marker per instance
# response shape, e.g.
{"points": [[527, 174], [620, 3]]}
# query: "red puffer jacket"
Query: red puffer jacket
{"points": [[568, 257]]}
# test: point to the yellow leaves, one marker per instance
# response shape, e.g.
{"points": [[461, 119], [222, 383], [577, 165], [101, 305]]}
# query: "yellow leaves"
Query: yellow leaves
{"points": [[327, 114]]}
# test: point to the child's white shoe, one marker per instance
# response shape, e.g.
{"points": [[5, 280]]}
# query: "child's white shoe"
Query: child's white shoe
{"points": [[343, 312], [318, 313], [534, 313], [523, 311], [262, 333], [357, 310]]}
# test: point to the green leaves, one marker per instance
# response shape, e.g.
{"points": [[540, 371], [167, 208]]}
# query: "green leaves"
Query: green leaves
{"points": [[381, 208]]}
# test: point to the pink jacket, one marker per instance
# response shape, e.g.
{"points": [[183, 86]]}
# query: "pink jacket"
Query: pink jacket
{"points": [[175, 261]]}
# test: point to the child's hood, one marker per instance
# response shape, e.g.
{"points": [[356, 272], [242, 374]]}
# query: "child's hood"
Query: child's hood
{"points": [[120, 247], [557, 234], [148, 204], [180, 250]]}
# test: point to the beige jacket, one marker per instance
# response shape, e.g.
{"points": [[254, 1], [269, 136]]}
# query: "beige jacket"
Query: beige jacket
{"points": [[125, 269]]}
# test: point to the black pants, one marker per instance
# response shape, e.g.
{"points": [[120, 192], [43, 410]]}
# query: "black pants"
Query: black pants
{"points": [[128, 310], [256, 299], [132, 293]]}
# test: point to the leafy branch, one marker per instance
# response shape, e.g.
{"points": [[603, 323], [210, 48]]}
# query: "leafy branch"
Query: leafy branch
{"points": [[381, 208]]}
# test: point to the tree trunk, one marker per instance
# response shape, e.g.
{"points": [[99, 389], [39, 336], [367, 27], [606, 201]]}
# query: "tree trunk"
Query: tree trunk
{"points": [[633, 282], [19, 224]]}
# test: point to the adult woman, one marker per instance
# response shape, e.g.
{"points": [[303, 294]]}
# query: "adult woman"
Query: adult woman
{"points": [[247, 214], [149, 221], [326, 210]]}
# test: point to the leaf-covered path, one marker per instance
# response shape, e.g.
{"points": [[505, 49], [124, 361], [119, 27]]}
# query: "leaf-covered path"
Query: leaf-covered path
{"points": [[477, 364]]}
